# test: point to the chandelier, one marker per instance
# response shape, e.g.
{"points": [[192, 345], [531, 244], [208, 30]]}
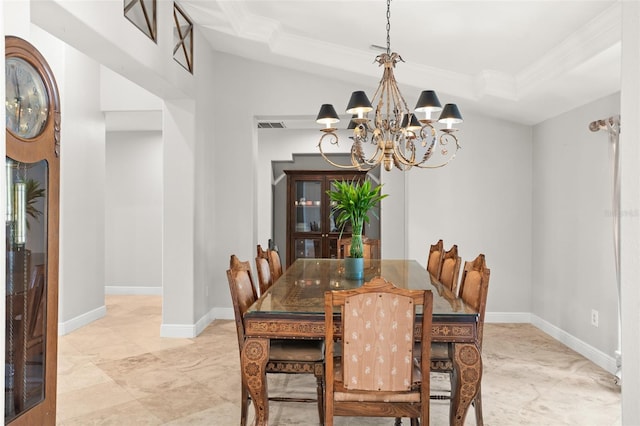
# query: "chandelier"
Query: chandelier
{"points": [[396, 135]]}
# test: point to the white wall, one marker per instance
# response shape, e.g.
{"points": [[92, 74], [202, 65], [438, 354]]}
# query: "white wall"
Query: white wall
{"points": [[482, 202], [82, 177], [133, 210], [574, 269]]}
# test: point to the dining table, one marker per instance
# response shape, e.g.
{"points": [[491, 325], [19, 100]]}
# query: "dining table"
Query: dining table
{"points": [[293, 308]]}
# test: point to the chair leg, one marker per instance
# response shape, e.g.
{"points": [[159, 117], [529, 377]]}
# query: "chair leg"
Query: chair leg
{"points": [[320, 389], [477, 405], [415, 422], [244, 406]]}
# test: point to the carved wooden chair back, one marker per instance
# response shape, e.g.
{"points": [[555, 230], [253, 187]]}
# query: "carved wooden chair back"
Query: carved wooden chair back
{"points": [[371, 248], [450, 269], [474, 288], [263, 269], [376, 376], [285, 356], [275, 264], [434, 261], [243, 292]]}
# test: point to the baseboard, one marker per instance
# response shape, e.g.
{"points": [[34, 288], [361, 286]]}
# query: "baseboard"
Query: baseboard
{"points": [[189, 331], [222, 314], [81, 320], [594, 355], [180, 331], [132, 290], [507, 317]]}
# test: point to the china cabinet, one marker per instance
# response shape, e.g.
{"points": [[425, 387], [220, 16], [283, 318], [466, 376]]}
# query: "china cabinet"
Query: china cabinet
{"points": [[311, 228]]}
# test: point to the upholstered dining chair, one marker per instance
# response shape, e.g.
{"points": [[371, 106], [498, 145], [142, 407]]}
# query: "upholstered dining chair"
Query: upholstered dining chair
{"points": [[450, 269], [376, 376], [285, 356], [263, 269], [474, 287], [371, 248], [434, 261]]}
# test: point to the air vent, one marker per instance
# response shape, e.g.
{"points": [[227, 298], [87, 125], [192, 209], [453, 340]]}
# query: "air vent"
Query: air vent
{"points": [[271, 125]]}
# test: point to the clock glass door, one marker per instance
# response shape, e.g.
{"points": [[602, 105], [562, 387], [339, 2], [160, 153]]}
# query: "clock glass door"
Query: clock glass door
{"points": [[26, 286]]}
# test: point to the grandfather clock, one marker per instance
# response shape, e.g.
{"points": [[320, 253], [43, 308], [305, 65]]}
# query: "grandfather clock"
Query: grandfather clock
{"points": [[32, 215]]}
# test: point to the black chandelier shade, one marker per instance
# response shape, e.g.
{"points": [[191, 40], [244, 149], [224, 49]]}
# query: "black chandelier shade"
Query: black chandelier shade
{"points": [[327, 115], [450, 115], [428, 102], [359, 103]]}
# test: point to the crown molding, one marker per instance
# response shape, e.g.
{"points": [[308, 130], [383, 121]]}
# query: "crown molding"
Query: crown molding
{"points": [[600, 34], [268, 40]]}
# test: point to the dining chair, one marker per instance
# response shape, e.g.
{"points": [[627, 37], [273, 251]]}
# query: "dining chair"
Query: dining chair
{"points": [[275, 264], [375, 375], [434, 261], [474, 287], [285, 356], [371, 248], [263, 270], [450, 269]]}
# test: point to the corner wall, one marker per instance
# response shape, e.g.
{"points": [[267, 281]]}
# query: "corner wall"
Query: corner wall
{"points": [[573, 262]]}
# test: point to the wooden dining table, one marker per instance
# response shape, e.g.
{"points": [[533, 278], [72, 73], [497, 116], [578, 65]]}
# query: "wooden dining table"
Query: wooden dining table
{"points": [[294, 308]]}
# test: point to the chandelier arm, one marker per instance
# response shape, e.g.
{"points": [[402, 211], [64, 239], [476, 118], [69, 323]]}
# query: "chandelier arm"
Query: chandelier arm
{"points": [[361, 136], [443, 141], [375, 159], [402, 158], [333, 140]]}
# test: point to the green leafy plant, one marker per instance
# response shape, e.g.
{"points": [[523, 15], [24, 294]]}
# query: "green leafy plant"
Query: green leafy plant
{"points": [[351, 201]]}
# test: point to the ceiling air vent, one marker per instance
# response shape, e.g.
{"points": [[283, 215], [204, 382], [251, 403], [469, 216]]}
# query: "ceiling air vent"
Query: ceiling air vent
{"points": [[270, 125]]}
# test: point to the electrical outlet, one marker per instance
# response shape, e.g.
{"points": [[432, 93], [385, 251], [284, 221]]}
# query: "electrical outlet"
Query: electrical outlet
{"points": [[594, 318]]}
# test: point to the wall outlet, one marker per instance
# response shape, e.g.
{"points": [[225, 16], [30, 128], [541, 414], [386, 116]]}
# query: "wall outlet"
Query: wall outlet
{"points": [[594, 318]]}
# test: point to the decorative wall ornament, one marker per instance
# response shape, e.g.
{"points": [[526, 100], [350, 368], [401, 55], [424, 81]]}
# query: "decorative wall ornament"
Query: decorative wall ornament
{"points": [[142, 14], [182, 38]]}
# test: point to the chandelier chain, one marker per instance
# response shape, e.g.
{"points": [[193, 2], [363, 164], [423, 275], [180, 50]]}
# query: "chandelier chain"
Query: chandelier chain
{"points": [[388, 27]]}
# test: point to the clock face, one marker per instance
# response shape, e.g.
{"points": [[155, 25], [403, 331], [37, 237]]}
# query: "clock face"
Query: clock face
{"points": [[26, 99]]}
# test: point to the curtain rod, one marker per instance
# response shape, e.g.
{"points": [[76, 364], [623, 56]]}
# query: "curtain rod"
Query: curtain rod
{"points": [[594, 126]]}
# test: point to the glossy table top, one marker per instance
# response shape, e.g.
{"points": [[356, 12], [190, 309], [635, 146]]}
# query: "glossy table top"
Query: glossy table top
{"points": [[301, 288]]}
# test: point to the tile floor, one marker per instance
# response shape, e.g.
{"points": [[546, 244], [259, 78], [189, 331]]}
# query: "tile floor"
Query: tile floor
{"points": [[117, 371]]}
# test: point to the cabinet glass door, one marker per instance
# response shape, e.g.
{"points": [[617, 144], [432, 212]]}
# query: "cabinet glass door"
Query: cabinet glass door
{"points": [[307, 248], [308, 206], [26, 283]]}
